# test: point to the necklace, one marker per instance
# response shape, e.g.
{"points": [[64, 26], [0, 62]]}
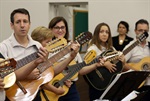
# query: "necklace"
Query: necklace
{"points": [[120, 42]]}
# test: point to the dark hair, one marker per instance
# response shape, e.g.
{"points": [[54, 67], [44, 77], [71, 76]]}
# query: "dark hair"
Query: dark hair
{"points": [[125, 24], [95, 40], [141, 21], [19, 10], [56, 20]]}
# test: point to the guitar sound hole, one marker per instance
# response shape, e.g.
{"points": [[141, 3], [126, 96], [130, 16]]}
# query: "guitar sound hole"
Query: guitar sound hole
{"points": [[57, 84], [145, 67]]}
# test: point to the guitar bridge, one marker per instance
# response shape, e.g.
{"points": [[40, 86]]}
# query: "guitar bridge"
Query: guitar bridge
{"points": [[99, 75]]}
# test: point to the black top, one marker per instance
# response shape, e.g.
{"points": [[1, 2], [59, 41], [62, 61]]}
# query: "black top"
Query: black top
{"points": [[116, 44]]}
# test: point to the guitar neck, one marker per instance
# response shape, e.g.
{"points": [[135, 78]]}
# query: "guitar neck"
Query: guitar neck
{"points": [[74, 69], [130, 47], [26, 60], [22, 62], [43, 66]]}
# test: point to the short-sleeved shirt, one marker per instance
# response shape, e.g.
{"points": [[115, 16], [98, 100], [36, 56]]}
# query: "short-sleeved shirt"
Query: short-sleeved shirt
{"points": [[137, 53], [10, 48]]}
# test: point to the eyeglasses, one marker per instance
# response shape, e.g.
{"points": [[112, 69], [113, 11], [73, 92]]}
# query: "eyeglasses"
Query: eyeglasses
{"points": [[141, 30], [58, 28]]}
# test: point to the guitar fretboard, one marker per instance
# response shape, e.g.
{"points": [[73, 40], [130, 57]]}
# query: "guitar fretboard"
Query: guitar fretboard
{"points": [[43, 66], [21, 63], [26, 60], [130, 47], [75, 69]]}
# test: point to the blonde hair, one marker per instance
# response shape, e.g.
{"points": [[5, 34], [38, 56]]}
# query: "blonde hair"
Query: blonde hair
{"points": [[41, 33]]}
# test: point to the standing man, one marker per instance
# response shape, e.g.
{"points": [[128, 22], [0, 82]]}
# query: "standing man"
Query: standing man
{"points": [[139, 52]]}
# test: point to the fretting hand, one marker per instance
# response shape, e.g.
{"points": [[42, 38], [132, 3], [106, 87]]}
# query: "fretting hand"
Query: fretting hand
{"points": [[43, 55], [75, 46], [122, 59], [68, 83]]}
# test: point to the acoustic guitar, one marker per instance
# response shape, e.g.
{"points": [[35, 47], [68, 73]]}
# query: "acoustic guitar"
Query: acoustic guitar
{"points": [[143, 65], [44, 93], [73, 69], [101, 77], [7, 66], [8, 72], [32, 86]]}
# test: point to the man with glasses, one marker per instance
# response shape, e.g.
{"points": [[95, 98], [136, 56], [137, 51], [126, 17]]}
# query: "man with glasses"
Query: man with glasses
{"points": [[139, 52]]}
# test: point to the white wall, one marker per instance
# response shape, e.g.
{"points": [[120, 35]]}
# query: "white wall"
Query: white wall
{"points": [[38, 12], [113, 11], [109, 11]]}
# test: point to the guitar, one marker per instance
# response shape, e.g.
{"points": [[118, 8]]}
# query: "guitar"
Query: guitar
{"points": [[101, 77], [7, 66], [8, 72], [73, 69], [32, 86], [57, 77], [143, 65]]}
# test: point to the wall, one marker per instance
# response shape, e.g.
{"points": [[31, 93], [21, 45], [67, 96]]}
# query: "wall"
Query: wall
{"points": [[109, 11], [38, 11], [113, 11]]}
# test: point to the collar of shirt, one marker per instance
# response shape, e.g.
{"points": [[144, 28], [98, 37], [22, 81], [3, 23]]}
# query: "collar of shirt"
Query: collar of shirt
{"points": [[15, 42]]}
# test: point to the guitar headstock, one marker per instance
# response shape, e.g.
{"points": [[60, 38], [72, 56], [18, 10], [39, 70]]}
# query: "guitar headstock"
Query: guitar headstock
{"points": [[6, 65], [56, 45], [84, 37], [110, 56], [142, 37], [89, 56]]}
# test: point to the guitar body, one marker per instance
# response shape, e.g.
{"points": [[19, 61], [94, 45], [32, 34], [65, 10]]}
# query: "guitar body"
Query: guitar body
{"points": [[6, 71], [10, 80], [101, 77], [52, 96], [14, 93], [144, 64]]}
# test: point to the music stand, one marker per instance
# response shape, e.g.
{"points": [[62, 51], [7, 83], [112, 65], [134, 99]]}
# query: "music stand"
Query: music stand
{"points": [[123, 84]]}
